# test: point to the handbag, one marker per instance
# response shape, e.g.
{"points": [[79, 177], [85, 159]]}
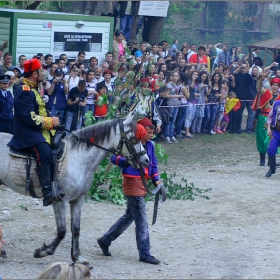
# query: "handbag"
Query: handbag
{"points": [[173, 101]]}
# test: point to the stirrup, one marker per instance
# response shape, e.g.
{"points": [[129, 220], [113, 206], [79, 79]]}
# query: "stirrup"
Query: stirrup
{"points": [[57, 193]]}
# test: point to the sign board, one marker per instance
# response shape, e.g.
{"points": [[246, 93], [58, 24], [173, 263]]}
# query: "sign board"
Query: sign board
{"points": [[153, 8], [64, 41]]}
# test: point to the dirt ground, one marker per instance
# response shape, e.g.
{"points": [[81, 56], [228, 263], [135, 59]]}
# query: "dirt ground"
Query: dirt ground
{"points": [[235, 234]]}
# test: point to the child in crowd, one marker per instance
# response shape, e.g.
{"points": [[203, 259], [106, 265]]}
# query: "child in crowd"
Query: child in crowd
{"points": [[204, 89], [165, 112], [232, 103], [173, 102], [221, 109], [159, 82], [101, 105], [191, 108], [90, 86]]}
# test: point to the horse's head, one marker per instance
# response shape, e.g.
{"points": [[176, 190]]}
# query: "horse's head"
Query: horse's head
{"points": [[132, 147]]}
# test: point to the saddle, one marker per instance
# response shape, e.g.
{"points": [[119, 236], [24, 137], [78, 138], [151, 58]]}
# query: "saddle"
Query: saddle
{"points": [[31, 179]]}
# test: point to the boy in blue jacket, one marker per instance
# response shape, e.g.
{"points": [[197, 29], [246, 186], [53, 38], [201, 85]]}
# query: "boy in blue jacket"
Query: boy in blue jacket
{"points": [[135, 193]]}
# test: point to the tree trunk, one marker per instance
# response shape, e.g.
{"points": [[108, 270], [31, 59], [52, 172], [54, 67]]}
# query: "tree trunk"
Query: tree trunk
{"points": [[134, 28], [83, 7], [33, 6], [202, 33], [155, 30], [95, 8], [258, 22]]}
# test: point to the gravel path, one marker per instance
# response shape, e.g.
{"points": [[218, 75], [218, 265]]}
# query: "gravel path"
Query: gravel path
{"points": [[235, 234]]}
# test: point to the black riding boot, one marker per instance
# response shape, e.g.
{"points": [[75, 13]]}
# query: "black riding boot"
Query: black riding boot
{"points": [[272, 165], [262, 159], [44, 174]]}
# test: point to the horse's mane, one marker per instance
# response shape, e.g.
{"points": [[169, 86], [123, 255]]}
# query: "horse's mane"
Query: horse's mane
{"points": [[96, 133]]}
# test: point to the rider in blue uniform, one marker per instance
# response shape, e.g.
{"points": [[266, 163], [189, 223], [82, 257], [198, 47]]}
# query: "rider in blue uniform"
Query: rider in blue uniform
{"points": [[33, 127]]}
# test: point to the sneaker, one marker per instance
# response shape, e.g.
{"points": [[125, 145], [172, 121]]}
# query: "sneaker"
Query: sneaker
{"points": [[173, 140], [181, 136], [218, 131], [167, 140], [212, 132], [150, 259], [104, 248], [223, 130], [214, 128]]}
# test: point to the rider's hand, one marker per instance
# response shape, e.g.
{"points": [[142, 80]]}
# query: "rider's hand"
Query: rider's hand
{"points": [[55, 121], [45, 98]]}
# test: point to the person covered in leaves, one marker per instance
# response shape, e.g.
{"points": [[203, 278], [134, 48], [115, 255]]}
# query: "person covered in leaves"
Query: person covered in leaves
{"points": [[135, 192], [263, 101], [143, 101]]}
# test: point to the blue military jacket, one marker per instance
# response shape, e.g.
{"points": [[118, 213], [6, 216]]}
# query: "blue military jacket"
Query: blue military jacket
{"points": [[6, 106], [31, 122]]}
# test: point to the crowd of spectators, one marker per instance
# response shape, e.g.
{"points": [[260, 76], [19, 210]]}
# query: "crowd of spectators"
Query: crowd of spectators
{"points": [[185, 90]]}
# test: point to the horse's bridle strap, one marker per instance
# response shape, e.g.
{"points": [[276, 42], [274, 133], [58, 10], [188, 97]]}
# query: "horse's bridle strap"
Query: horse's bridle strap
{"points": [[157, 191], [133, 154]]}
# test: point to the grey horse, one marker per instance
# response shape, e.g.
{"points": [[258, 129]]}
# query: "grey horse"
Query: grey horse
{"points": [[83, 157]]}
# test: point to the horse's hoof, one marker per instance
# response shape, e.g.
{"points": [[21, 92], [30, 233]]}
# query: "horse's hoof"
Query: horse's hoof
{"points": [[42, 252], [83, 261], [88, 265], [39, 253]]}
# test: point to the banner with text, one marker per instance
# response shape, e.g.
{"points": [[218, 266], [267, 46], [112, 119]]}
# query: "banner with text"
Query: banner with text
{"points": [[153, 8], [77, 41]]}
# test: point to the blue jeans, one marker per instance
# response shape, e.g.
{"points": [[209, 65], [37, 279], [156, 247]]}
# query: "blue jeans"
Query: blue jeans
{"points": [[54, 112], [169, 127], [135, 211], [180, 119], [90, 107], [213, 108], [70, 117], [196, 125], [205, 118], [251, 115], [125, 25]]}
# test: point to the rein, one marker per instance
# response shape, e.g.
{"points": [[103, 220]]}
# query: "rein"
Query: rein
{"points": [[157, 191], [129, 143]]}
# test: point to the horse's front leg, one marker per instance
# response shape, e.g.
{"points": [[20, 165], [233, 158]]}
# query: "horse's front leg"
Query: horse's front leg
{"points": [[76, 209], [60, 213]]}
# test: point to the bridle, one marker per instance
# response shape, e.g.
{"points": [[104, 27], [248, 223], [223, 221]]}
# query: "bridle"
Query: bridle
{"points": [[129, 143]]}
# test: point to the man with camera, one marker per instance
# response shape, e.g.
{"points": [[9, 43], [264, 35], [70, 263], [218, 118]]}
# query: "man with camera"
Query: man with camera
{"points": [[76, 102], [57, 89]]}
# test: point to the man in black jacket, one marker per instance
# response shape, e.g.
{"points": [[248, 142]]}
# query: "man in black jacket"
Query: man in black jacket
{"points": [[128, 9], [245, 93]]}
